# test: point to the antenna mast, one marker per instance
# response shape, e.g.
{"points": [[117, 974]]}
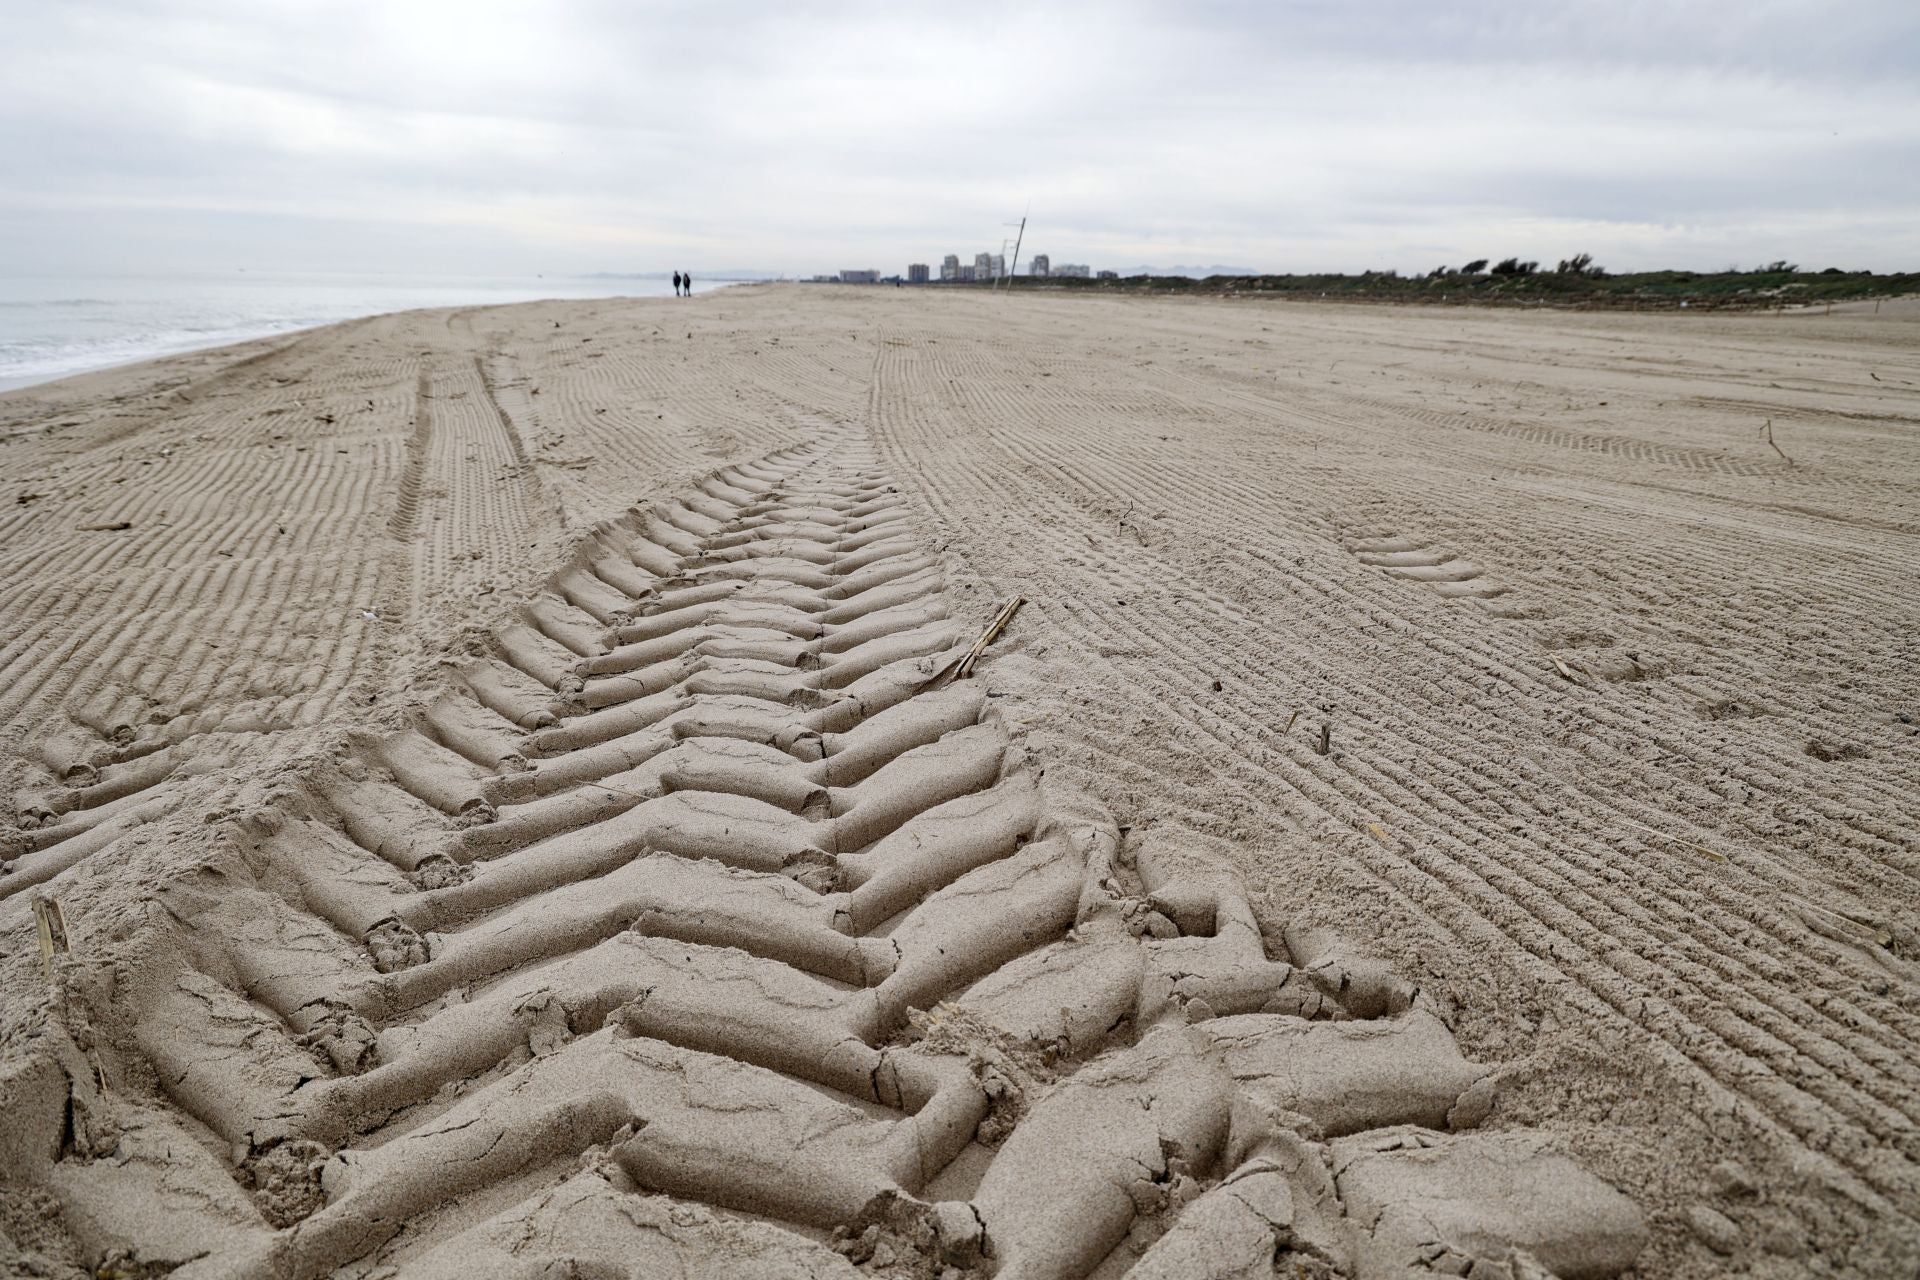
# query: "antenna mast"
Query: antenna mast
{"points": [[1022, 235]]}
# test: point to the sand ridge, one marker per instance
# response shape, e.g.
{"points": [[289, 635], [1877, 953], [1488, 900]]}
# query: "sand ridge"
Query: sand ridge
{"points": [[1545, 697]]}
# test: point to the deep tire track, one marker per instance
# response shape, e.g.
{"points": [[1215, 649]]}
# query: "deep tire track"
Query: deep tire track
{"points": [[703, 877]]}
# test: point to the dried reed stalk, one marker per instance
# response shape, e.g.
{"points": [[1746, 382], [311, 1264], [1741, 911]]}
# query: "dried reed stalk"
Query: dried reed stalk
{"points": [[51, 925], [964, 666], [1839, 927], [1698, 848]]}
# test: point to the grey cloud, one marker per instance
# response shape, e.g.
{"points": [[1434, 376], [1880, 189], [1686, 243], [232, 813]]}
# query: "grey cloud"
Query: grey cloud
{"points": [[1307, 135]]}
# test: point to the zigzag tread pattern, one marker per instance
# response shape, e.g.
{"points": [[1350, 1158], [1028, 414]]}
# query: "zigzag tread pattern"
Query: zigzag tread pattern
{"points": [[705, 926]]}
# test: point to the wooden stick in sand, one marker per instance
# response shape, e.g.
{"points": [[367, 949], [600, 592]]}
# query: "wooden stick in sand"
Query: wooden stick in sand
{"points": [[1767, 431]]}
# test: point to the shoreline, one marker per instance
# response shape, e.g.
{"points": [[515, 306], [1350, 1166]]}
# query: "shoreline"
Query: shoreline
{"points": [[319, 292], [25, 381]]}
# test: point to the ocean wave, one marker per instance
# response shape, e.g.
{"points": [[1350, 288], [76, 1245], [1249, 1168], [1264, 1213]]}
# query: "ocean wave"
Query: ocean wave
{"points": [[28, 304], [52, 358], [51, 328]]}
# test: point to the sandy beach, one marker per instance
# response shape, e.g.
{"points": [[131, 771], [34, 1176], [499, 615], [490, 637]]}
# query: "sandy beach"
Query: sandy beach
{"points": [[500, 799]]}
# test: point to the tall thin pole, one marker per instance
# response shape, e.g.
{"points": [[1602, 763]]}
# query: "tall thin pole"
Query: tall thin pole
{"points": [[1014, 265]]}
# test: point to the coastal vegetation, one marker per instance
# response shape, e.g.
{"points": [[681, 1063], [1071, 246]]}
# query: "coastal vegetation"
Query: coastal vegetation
{"points": [[1575, 282]]}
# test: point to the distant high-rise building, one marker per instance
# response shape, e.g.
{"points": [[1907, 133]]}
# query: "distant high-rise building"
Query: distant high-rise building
{"points": [[999, 265], [950, 267], [1040, 265], [1079, 270], [917, 273], [1107, 275], [969, 274], [983, 266], [860, 277]]}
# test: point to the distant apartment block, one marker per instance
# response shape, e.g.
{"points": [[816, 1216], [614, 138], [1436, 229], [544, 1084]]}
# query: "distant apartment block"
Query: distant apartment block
{"points": [[950, 267], [917, 273], [1078, 270], [969, 274], [860, 277], [983, 266], [1040, 266], [1107, 275], [999, 265]]}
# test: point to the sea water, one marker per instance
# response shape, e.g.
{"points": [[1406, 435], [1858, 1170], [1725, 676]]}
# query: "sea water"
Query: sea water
{"points": [[53, 327]]}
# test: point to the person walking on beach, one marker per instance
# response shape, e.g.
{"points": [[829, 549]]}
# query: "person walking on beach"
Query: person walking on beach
{"points": [[676, 284], [688, 281]]}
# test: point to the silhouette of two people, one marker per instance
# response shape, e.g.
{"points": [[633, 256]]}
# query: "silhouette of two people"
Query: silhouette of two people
{"points": [[682, 285]]}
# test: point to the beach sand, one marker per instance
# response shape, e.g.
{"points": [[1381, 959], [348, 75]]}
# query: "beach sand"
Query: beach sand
{"points": [[1447, 800]]}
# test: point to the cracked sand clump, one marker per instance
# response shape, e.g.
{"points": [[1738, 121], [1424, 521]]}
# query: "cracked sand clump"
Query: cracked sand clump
{"points": [[1009, 1072], [437, 871], [903, 1238], [395, 946], [1501, 1205], [286, 1180], [343, 1039]]}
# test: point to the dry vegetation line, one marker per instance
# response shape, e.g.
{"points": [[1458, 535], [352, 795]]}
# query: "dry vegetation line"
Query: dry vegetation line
{"points": [[702, 924]]}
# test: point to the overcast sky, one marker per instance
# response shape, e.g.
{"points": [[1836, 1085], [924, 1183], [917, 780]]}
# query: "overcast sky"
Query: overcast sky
{"points": [[502, 138]]}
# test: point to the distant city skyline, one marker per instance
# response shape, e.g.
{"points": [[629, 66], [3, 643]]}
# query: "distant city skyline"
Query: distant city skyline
{"points": [[984, 267]]}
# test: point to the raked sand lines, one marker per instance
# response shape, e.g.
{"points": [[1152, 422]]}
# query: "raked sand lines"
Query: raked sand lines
{"points": [[1509, 840]]}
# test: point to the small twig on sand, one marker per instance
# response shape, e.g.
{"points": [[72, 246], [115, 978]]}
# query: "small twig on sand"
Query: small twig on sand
{"points": [[1564, 669], [1767, 431], [1290, 719], [1325, 745]]}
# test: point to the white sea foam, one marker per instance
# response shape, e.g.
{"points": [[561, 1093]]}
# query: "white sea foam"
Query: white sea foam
{"points": [[52, 327]]}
